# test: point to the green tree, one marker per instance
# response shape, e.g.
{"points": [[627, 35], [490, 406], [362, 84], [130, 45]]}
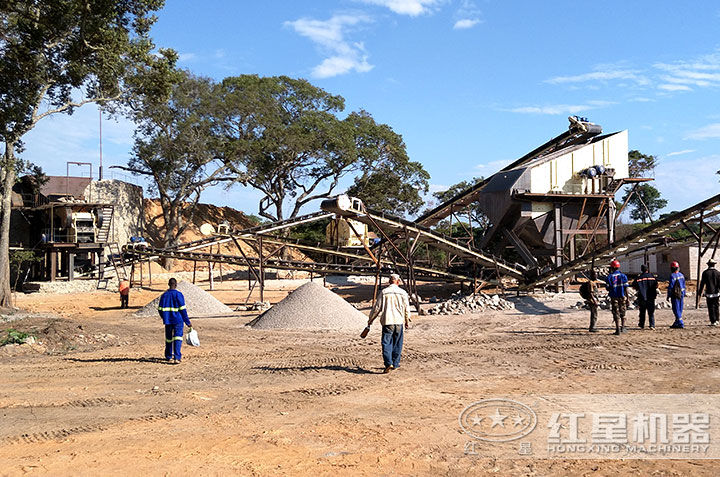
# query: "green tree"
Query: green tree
{"points": [[177, 147], [57, 55], [476, 216], [644, 203], [644, 199], [641, 165], [284, 138], [389, 181]]}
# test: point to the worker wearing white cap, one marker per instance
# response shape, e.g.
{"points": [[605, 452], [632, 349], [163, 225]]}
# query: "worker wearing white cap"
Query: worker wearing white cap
{"points": [[393, 308], [710, 283]]}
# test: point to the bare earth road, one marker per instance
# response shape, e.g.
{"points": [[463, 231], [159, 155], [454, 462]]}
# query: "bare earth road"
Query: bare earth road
{"points": [[96, 399]]}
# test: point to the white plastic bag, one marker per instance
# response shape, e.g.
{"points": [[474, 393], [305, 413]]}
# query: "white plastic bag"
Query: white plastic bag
{"points": [[192, 338]]}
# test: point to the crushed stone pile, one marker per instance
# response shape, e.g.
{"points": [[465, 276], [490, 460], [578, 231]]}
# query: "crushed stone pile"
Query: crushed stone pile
{"points": [[198, 303], [311, 306], [459, 304]]}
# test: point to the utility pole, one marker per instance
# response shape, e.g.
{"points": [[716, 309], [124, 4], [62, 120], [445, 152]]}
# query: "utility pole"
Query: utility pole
{"points": [[100, 172]]}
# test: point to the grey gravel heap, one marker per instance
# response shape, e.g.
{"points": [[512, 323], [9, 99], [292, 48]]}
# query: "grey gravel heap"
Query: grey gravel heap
{"points": [[459, 304], [311, 306], [198, 303]]}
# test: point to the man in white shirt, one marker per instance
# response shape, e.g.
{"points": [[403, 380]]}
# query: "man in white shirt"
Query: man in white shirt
{"points": [[393, 308]]}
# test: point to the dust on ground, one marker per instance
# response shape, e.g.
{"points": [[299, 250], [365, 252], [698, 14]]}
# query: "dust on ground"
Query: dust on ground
{"points": [[94, 397]]}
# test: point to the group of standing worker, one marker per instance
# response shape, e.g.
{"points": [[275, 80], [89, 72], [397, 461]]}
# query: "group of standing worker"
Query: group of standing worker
{"points": [[646, 286]]}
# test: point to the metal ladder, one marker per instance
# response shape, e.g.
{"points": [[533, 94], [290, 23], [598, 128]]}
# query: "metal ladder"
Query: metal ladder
{"points": [[104, 230], [116, 260]]}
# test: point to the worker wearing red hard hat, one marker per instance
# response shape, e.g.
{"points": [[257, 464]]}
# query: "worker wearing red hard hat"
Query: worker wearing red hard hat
{"points": [[616, 284], [676, 294]]}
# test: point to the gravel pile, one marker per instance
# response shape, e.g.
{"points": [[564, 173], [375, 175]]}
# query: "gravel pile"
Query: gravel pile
{"points": [[311, 306], [460, 304], [198, 303]]}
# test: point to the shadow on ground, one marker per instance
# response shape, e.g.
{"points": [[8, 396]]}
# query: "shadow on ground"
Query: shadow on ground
{"points": [[347, 369], [119, 360], [526, 304]]}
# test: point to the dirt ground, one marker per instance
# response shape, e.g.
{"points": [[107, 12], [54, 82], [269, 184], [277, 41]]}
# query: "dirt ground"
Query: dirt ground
{"points": [[93, 396]]}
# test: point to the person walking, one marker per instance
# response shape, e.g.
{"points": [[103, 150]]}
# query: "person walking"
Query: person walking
{"points": [[616, 284], [710, 284], [646, 285], [174, 315], [676, 294], [588, 290], [393, 308], [124, 289]]}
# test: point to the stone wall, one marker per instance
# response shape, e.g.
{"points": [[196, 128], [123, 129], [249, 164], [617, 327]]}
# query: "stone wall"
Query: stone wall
{"points": [[129, 214]]}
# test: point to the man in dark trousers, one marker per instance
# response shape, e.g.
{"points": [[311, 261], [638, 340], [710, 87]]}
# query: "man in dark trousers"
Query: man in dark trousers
{"points": [[646, 285], [124, 289], [616, 284], [393, 308], [174, 314], [588, 291], [676, 294], [710, 283]]}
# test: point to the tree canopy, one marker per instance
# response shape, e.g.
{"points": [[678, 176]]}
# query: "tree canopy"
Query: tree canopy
{"points": [[55, 56], [283, 137], [177, 147], [476, 215], [641, 165], [644, 200]]}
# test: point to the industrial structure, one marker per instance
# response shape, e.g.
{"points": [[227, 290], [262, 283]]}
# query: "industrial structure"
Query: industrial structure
{"points": [[552, 209]]}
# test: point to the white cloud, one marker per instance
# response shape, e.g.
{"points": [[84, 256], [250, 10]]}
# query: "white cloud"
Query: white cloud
{"points": [[555, 109], [465, 24], [602, 75], [702, 72], [438, 188], [329, 35], [412, 8], [186, 57], [468, 15], [674, 87], [492, 167], [711, 131], [680, 153]]}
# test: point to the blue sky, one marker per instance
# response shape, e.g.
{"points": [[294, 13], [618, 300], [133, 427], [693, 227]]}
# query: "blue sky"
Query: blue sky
{"points": [[470, 85]]}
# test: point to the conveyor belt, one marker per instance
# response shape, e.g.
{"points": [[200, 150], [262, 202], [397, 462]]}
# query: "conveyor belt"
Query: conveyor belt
{"points": [[394, 225], [632, 242], [322, 268]]}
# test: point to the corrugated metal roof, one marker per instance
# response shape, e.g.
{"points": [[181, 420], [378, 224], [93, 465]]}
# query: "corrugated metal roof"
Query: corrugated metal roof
{"points": [[64, 185]]}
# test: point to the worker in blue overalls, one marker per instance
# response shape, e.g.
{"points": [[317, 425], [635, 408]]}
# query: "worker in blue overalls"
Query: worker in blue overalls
{"points": [[174, 314], [676, 294], [616, 284]]}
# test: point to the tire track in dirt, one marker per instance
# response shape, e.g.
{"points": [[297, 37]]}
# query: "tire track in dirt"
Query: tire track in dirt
{"points": [[325, 390], [63, 433], [92, 402], [298, 366]]}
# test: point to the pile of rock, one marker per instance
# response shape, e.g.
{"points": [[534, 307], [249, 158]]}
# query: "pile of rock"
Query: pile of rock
{"points": [[459, 304], [198, 303], [312, 306]]}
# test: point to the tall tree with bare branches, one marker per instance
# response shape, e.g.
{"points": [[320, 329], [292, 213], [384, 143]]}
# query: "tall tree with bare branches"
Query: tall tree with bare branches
{"points": [[55, 56]]}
